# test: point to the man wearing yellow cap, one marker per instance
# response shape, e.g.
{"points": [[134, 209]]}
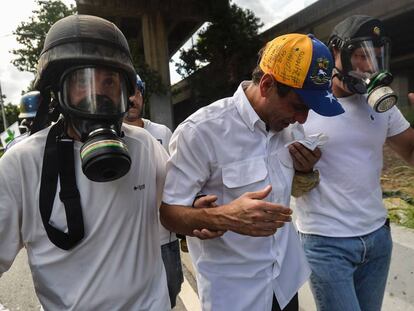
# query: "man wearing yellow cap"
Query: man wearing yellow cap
{"points": [[245, 251]]}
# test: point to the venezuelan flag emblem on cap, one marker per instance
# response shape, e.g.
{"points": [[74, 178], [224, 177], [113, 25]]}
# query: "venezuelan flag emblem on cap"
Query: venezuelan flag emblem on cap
{"points": [[305, 64]]}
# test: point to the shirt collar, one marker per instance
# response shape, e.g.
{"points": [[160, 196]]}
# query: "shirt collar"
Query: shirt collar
{"points": [[245, 109]]}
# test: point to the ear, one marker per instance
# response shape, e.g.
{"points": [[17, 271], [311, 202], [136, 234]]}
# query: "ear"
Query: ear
{"points": [[266, 84]]}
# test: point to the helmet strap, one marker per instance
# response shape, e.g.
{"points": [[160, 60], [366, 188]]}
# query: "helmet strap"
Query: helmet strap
{"points": [[337, 73]]}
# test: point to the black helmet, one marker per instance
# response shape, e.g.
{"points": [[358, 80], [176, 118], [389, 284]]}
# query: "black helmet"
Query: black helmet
{"points": [[356, 27], [83, 40], [360, 31]]}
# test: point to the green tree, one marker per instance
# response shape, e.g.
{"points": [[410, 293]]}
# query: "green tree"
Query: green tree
{"points": [[11, 111], [31, 35], [229, 44]]}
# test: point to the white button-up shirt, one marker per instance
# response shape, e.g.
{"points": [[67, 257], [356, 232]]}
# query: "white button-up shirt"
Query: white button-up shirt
{"points": [[224, 149]]}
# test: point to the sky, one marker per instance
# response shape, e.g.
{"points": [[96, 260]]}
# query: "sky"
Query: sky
{"points": [[13, 82]]}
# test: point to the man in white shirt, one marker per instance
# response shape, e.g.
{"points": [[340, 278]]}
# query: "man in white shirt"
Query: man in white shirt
{"points": [[343, 222], [82, 196], [170, 249], [236, 149]]}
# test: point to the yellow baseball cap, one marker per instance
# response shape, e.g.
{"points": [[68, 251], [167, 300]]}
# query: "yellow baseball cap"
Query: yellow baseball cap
{"points": [[304, 63]]}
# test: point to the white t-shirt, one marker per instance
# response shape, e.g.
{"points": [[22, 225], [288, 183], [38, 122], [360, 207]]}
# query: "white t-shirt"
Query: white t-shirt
{"points": [[16, 140], [163, 134], [224, 149], [159, 131], [118, 265], [348, 200]]}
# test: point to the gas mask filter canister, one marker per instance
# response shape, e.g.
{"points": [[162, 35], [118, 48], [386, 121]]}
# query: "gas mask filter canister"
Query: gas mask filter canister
{"points": [[381, 96], [104, 156]]}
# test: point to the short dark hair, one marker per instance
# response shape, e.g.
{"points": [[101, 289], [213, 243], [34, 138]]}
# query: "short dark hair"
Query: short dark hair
{"points": [[257, 74]]}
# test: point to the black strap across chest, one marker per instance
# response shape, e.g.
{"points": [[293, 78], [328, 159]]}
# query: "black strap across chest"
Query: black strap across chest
{"points": [[58, 160]]}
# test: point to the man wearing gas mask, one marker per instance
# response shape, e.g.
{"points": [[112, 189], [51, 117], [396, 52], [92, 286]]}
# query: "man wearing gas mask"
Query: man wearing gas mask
{"points": [[343, 222], [82, 195]]}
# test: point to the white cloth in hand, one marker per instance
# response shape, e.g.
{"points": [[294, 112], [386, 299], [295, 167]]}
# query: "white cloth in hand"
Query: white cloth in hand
{"points": [[311, 141]]}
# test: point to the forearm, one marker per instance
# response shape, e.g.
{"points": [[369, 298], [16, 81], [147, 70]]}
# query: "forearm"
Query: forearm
{"points": [[185, 219], [403, 144], [407, 154], [409, 158]]}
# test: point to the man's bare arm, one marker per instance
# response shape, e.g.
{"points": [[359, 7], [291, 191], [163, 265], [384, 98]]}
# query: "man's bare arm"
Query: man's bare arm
{"points": [[248, 215]]}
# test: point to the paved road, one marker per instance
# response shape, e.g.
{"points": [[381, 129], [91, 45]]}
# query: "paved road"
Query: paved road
{"points": [[17, 293]]}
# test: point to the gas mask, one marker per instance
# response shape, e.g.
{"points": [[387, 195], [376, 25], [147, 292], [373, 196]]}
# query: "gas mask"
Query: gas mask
{"points": [[94, 101], [365, 63]]}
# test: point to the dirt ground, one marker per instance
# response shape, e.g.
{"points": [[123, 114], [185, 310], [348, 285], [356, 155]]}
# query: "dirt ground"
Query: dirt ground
{"points": [[398, 188]]}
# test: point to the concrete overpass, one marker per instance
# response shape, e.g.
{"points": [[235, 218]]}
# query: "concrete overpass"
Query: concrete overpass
{"points": [[320, 18], [161, 27]]}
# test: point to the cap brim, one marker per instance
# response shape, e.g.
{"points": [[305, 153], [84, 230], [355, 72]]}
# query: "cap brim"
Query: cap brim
{"points": [[323, 102]]}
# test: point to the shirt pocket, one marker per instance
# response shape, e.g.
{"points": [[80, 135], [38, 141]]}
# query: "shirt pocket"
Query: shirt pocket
{"points": [[285, 158], [282, 172], [243, 176], [286, 166]]}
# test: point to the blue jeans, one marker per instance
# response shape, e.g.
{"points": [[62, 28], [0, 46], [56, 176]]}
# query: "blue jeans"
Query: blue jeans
{"points": [[172, 262], [349, 274]]}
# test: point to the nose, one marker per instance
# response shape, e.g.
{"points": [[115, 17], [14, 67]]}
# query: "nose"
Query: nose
{"points": [[301, 116], [132, 101]]}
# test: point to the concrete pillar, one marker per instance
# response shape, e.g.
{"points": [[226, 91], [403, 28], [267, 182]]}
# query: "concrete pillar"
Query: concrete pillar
{"points": [[157, 57]]}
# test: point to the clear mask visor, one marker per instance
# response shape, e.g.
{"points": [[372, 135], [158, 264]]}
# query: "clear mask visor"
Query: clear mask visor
{"points": [[369, 57], [95, 91]]}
